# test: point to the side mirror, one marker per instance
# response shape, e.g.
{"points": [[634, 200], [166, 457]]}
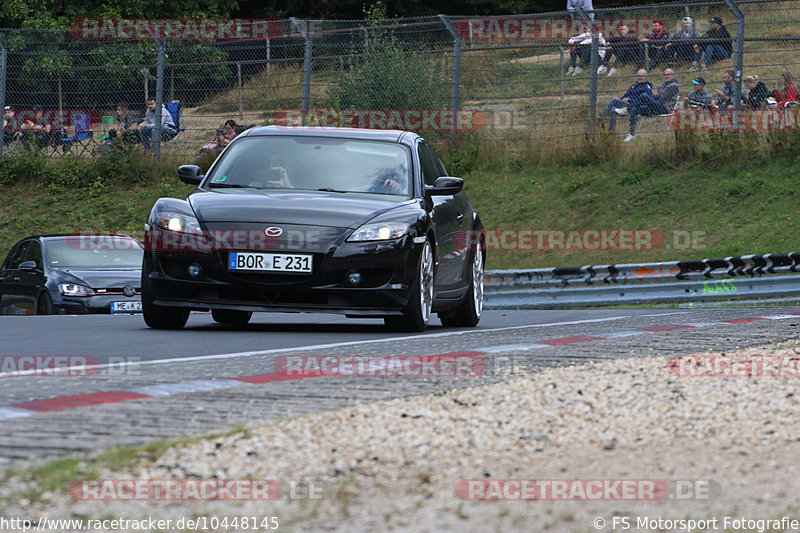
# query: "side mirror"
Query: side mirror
{"points": [[190, 174], [28, 266], [445, 186]]}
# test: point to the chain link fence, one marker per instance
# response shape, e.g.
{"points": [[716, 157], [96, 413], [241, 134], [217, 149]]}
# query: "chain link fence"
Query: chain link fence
{"points": [[523, 81]]}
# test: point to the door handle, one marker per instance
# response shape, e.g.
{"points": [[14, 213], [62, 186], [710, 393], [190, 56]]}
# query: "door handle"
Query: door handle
{"points": [[16, 279], [460, 218]]}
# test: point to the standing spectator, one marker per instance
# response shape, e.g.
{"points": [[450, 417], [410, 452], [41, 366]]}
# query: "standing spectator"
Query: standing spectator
{"points": [[657, 50], [580, 47], [619, 106], [625, 45], [789, 92], [127, 123], [681, 45], [720, 47], [661, 102], [699, 98], [757, 93], [724, 96], [585, 5], [168, 129]]}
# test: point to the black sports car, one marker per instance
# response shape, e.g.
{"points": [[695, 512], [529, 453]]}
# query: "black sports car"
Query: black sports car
{"points": [[361, 222], [89, 273]]}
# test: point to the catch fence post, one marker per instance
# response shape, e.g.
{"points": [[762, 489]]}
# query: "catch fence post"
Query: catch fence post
{"points": [[456, 85], [303, 29]]}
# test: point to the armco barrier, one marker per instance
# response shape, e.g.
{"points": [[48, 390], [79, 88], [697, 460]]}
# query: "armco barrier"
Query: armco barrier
{"points": [[730, 278]]}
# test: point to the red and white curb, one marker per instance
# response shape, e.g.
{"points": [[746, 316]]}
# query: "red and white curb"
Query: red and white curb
{"points": [[62, 403]]}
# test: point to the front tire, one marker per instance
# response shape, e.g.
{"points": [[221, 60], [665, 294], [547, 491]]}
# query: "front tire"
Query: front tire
{"points": [[156, 316], [44, 305], [468, 312], [231, 317], [417, 311]]}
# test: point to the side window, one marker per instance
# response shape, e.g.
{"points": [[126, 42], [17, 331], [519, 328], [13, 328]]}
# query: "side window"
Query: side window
{"points": [[35, 253], [429, 169], [437, 160], [17, 256]]}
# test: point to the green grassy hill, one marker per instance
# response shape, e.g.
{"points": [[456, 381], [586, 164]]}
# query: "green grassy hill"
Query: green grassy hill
{"points": [[747, 205]]}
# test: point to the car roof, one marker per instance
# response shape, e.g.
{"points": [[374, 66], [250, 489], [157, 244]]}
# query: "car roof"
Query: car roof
{"points": [[349, 133]]}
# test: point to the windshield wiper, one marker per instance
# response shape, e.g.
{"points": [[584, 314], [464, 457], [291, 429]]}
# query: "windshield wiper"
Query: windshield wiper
{"points": [[328, 189], [230, 185]]}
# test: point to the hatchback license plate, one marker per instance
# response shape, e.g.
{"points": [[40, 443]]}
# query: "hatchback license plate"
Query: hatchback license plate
{"points": [[269, 262], [126, 307]]}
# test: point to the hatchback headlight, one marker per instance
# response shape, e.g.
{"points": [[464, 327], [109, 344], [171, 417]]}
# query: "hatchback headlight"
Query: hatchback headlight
{"points": [[178, 222], [379, 231], [73, 289]]}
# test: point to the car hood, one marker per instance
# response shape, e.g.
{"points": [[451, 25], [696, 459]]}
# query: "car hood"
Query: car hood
{"points": [[290, 207], [101, 279]]}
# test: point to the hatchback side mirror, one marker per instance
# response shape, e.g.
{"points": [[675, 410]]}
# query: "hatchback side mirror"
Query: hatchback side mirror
{"points": [[190, 174], [445, 186], [28, 266]]}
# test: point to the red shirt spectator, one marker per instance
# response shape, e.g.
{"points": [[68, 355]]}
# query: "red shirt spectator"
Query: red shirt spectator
{"points": [[789, 93]]}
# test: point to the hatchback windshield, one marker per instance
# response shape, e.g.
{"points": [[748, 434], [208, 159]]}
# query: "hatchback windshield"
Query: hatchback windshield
{"points": [[95, 252], [314, 163]]}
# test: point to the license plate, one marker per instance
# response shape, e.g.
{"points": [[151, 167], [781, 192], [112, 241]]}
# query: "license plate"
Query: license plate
{"points": [[126, 307], [269, 262]]}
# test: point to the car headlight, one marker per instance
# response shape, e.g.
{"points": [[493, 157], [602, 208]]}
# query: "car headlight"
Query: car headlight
{"points": [[379, 231], [178, 222], [73, 289]]}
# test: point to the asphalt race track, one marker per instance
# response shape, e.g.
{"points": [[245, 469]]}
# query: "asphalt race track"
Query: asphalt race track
{"points": [[144, 384]]}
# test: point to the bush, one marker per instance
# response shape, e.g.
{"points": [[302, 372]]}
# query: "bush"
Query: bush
{"points": [[386, 75]]}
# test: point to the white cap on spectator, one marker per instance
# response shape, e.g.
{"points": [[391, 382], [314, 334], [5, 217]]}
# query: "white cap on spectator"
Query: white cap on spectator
{"points": [[688, 19]]}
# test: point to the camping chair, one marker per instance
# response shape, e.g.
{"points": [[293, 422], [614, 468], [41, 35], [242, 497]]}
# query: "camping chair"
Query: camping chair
{"points": [[83, 133], [176, 110]]}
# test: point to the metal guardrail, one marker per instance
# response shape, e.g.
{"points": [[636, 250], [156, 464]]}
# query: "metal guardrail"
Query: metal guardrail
{"points": [[730, 278]]}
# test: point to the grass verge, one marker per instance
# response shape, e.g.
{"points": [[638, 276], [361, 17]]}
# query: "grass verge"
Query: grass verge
{"points": [[727, 195]]}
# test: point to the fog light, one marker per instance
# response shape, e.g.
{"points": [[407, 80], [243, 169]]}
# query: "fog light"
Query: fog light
{"points": [[354, 278], [194, 270]]}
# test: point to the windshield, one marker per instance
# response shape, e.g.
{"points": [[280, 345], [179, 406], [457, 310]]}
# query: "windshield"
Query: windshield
{"points": [[314, 163], [95, 252]]}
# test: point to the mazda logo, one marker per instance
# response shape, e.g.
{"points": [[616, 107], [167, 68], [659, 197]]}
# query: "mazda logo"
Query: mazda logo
{"points": [[129, 290], [273, 231]]}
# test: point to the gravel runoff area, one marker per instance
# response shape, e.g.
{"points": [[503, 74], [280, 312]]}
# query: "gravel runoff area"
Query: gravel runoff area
{"points": [[394, 465]]}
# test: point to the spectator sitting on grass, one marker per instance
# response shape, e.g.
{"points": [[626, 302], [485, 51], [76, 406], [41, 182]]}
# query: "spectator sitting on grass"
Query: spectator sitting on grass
{"points": [[625, 46], [661, 102], [10, 126], [724, 96], [719, 48], [757, 93], [619, 106], [699, 98], [580, 47], [127, 122], [681, 46], [789, 92], [658, 52], [222, 138]]}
